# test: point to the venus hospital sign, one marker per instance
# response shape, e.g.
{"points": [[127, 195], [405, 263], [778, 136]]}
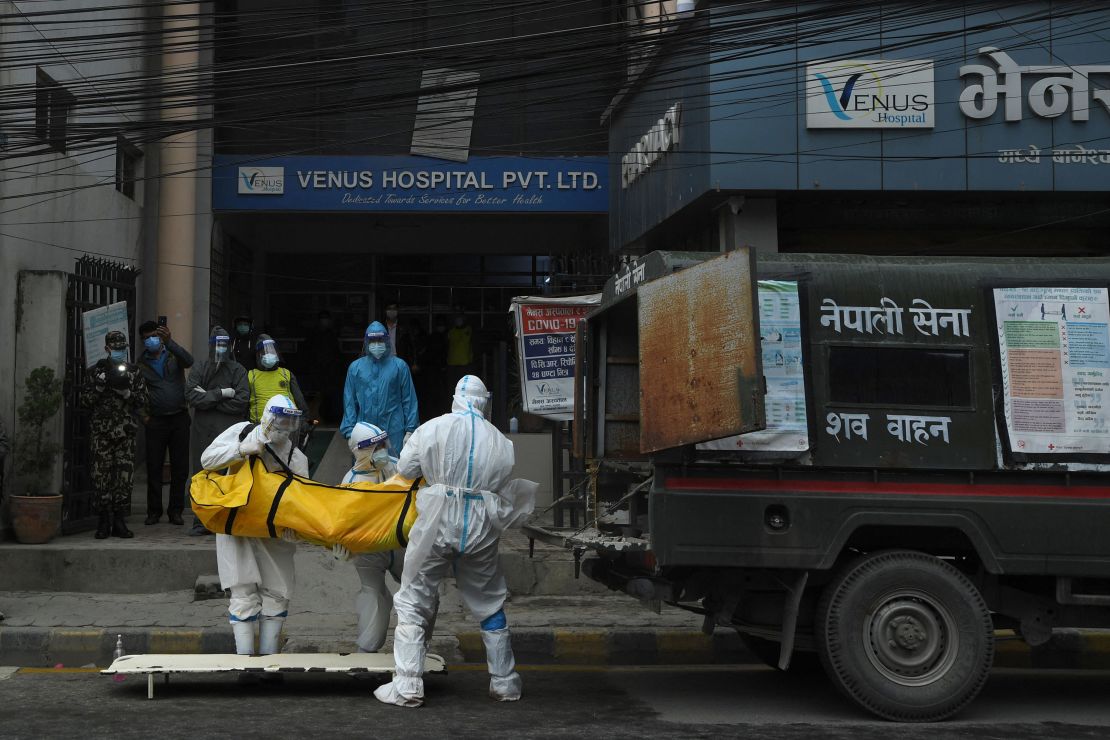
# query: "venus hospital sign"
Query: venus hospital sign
{"points": [[899, 94]]}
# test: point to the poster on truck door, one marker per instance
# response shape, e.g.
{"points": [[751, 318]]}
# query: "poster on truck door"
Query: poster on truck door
{"points": [[1054, 353], [545, 330], [780, 329]]}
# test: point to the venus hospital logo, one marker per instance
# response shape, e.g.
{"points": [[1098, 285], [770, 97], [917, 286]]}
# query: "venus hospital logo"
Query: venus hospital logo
{"points": [[869, 93], [261, 180]]}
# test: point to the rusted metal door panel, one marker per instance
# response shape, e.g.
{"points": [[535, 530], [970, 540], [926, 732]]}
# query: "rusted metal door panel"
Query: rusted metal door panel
{"points": [[701, 373]]}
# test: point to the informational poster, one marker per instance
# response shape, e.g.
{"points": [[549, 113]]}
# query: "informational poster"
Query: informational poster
{"points": [[545, 330], [1054, 349], [781, 339], [95, 324]]}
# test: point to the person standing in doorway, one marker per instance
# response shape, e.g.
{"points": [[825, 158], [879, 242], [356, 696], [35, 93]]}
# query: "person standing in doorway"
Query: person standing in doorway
{"points": [[115, 394], [460, 349], [163, 364], [400, 337], [218, 393], [270, 378], [379, 391], [243, 341], [325, 362]]}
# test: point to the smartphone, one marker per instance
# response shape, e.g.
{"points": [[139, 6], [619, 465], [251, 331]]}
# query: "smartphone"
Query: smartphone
{"points": [[161, 321]]}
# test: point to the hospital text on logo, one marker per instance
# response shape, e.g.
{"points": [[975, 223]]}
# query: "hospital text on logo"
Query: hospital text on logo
{"points": [[261, 180], [869, 93]]}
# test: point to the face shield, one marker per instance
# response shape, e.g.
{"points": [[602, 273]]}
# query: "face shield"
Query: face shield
{"points": [[376, 344], [281, 421], [221, 346], [268, 357]]}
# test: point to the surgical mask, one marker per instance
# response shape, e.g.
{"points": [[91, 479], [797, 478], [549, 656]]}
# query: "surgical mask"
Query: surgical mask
{"points": [[391, 314], [243, 328], [325, 323], [269, 361], [377, 350], [440, 328], [459, 321], [152, 344], [118, 355], [380, 459]]}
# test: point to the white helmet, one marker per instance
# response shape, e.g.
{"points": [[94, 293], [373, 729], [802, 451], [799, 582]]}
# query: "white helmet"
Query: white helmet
{"points": [[365, 440], [281, 417], [471, 395]]}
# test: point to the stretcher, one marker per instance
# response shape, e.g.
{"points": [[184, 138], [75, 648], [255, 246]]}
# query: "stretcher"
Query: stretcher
{"points": [[165, 665]]}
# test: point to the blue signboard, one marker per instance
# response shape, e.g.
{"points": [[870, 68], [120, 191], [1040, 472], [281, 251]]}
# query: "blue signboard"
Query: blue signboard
{"points": [[1012, 99], [411, 184]]}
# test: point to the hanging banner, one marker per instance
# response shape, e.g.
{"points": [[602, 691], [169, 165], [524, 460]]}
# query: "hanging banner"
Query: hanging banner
{"points": [[1054, 352], [545, 345], [780, 329], [95, 324]]}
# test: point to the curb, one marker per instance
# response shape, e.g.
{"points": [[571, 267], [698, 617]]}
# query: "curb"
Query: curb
{"points": [[46, 647]]}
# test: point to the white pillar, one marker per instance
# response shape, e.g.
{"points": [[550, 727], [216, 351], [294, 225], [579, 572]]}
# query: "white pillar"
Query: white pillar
{"points": [[748, 222]]}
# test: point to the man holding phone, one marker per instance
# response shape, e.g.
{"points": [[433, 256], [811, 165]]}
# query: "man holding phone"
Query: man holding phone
{"points": [[163, 363]]}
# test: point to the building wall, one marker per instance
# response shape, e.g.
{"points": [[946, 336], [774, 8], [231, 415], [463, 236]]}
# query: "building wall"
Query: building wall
{"points": [[55, 208]]}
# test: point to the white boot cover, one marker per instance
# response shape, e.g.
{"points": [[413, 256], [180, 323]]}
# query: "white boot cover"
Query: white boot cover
{"points": [[269, 632], [504, 681], [407, 687], [244, 637]]}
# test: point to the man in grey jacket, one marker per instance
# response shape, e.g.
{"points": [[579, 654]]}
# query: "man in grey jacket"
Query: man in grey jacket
{"points": [[218, 392]]}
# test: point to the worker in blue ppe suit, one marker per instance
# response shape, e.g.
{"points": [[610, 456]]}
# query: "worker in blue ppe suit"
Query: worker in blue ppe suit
{"points": [[379, 391], [467, 502]]}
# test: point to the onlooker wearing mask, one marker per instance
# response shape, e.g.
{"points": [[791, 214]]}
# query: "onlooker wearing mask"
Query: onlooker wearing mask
{"points": [[218, 393], [379, 391], [242, 343], [115, 393], [269, 379], [460, 349], [400, 338], [163, 364]]}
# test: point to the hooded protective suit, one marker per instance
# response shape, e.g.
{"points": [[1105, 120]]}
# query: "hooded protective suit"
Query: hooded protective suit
{"points": [[380, 391], [206, 391], [374, 601], [467, 503], [258, 571]]}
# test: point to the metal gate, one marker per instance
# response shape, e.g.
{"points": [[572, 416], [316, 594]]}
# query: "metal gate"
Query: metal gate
{"points": [[94, 283]]}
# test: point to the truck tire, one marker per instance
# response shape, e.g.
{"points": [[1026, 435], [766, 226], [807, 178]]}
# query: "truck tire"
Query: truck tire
{"points": [[905, 635], [801, 662]]}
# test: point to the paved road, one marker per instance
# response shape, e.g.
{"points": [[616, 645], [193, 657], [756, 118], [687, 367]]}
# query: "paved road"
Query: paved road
{"points": [[678, 702]]}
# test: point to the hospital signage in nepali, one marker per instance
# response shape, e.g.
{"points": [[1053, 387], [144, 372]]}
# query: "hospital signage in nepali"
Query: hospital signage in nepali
{"points": [[408, 183], [546, 347]]}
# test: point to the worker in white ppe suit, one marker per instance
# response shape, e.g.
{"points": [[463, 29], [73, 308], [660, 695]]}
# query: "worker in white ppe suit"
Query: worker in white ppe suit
{"points": [[258, 570], [370, 446], [468, 501]]}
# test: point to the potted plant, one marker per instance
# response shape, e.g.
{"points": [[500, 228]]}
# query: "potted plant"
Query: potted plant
{"points": [[37, 515]]}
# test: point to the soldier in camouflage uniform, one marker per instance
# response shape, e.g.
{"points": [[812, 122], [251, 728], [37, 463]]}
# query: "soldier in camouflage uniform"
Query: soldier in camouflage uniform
{"points": [[115, 393]]}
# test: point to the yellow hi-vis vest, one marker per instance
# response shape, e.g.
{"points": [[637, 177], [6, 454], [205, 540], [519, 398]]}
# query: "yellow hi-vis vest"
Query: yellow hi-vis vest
{"points": [[249, 501], [265, 384]]}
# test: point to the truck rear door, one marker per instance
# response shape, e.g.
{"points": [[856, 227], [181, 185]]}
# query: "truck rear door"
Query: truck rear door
{"points": [[701, 374]]}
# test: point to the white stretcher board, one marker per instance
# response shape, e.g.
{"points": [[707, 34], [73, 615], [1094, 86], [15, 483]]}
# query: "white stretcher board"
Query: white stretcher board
{"points": [[348, 663]]}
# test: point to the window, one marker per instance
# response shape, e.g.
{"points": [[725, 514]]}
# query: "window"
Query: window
{"points": [[128, 157], [53, 104], [895, 376]]}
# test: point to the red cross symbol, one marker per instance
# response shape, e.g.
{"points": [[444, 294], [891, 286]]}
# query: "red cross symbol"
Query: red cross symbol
{"points": [[1051, 446]]}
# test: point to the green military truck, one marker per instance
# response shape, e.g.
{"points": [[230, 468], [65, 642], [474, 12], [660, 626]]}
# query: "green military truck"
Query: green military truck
{"points": [[878, 460]]}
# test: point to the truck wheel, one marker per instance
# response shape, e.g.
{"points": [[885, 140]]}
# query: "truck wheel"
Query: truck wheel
{"points": [[906, 636], [768, 652]]}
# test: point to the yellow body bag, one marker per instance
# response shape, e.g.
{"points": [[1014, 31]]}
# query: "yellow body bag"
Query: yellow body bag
{"points": [[250, 501]]}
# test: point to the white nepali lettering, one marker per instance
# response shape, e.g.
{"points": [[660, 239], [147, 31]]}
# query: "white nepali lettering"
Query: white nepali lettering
{"points": [[886, 318], [850, 424], [1069, 87], [919, 429]]}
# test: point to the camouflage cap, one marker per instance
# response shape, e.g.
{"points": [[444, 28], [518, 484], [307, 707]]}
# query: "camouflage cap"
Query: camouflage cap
{"points": [[115, 340]]}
